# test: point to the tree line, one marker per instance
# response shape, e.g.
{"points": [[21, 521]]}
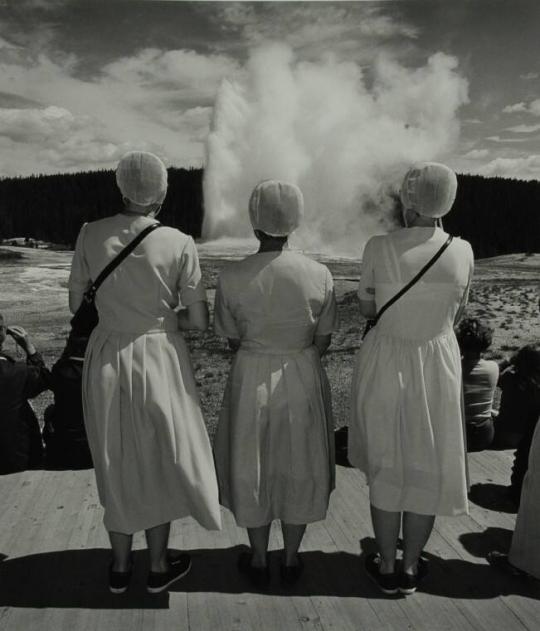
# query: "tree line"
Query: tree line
{"points": [[497, 215]]}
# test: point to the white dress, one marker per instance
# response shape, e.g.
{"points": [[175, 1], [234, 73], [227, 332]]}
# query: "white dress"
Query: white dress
{"points": [[406, 428], [274, 446], [151, 451], [525, 548]]}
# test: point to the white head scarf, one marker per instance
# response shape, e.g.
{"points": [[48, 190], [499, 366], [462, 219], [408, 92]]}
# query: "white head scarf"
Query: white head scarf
{"points": [[429, 189], [142, 178], [276, 208]]}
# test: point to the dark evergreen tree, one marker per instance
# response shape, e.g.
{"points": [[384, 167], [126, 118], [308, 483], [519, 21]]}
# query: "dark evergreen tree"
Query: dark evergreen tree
{"points": [[497, 215]]}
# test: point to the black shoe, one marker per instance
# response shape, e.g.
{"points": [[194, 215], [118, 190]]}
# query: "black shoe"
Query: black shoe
{"points": [[500, 561], [387, 583], [175, 558], [159, 581], [119, 581], [290, 574], [259, 577], [408, 583]]}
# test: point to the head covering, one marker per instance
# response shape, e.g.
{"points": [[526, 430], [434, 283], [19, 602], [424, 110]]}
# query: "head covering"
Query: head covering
{"points": [[429, 189], [276, 208], [142, 178]]}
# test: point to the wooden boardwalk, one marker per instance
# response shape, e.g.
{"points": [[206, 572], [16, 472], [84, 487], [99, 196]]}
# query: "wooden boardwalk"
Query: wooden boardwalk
{"points": [[54, 554]]}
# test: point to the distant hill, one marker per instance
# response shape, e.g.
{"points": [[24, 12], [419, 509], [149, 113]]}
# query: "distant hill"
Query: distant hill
{"points": [[498, 216]]}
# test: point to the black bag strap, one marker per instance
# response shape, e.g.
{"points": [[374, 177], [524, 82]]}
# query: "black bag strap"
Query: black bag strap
{"points": [[90, 293], [412, 282]]}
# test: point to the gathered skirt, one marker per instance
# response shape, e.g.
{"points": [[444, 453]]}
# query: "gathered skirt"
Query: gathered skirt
{"points": [[151, 451], [525, 548], [274, 447], [406, 427]]}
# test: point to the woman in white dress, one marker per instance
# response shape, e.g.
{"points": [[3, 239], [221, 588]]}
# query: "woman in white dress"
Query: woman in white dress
{"points": [[149, 444], [406, 429], [274, 442]]}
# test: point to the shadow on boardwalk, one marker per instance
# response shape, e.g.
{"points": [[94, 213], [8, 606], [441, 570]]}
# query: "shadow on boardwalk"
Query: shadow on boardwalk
{"points": [[77, 579]]}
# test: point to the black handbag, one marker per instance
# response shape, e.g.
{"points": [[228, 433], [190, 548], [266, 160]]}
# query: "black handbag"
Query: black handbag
{"points": [[85, 319], [373, 321]]}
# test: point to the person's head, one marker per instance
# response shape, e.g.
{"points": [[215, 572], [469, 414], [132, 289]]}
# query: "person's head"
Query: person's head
{"points": [[3, 330], [527, 363], [142, 179], [275, 209], [474, 336], [427, 193]]}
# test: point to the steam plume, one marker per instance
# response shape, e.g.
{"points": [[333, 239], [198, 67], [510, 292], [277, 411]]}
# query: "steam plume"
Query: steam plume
{"points": [[344, 140]]}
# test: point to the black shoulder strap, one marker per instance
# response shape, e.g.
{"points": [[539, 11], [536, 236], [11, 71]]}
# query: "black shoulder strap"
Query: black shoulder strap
{"points": [[412, 282], [112, 265]]}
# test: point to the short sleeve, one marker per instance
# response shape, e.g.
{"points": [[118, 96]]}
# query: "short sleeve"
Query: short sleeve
{"points": [[79, 277], [328, 318], [224, 322], [366, 286], [190, 287], [470, 255]]}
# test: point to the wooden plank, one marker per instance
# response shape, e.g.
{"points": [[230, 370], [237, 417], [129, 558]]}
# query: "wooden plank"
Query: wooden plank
{"points": [[58, 554]]}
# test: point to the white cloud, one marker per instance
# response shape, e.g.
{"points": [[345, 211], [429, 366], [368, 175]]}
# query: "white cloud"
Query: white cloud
{"points": [[529, 76], [182, 71], [310, 27], [523, 129], [530, 108], [155, 100], [58, 141], [516, 107], [523, 168], [503, 140], [476, 154]]}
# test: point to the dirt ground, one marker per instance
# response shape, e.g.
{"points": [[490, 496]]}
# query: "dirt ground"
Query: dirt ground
{"points": [[33, 294]]}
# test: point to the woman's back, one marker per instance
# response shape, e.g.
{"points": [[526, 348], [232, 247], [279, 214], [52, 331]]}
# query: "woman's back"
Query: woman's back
{"points": [[274, 300], [143, 290], [429, 308]]}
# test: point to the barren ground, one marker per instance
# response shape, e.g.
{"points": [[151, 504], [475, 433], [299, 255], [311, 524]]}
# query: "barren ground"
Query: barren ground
{"points": [[33, 294]]}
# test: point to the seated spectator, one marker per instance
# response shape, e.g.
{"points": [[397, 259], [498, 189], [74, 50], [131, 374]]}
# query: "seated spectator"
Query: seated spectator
{"points": [[479, 382], [20, 437], [64, 432], [519, 411]]}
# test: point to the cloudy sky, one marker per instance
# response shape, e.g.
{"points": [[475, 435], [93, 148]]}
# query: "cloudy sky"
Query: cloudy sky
{"points": [[83, 81]]}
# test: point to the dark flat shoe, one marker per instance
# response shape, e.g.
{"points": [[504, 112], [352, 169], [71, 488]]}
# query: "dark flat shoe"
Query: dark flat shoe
{"points": [[119, 581], [259, 577], [408, 583], [160, 581], [387, 583], [290, 574], [500, 561]]}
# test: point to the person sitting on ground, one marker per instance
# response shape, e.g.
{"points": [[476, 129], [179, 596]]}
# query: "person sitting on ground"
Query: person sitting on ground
{"points": [[480, 378], [20, 437], [64, 432], [519, 411]]}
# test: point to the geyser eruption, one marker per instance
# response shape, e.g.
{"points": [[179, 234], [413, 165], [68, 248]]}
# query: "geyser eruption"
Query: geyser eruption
{"points": [[344, 140]]}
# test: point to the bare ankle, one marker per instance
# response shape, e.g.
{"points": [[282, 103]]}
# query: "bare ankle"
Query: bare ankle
{"points": [[387, 566], [258, 560]]}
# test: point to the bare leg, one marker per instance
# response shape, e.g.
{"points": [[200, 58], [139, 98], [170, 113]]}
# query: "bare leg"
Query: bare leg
{"points": [[386, 525], [292, 538], [157, 539], [121, 549], [416, 531], [258, 538]]}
